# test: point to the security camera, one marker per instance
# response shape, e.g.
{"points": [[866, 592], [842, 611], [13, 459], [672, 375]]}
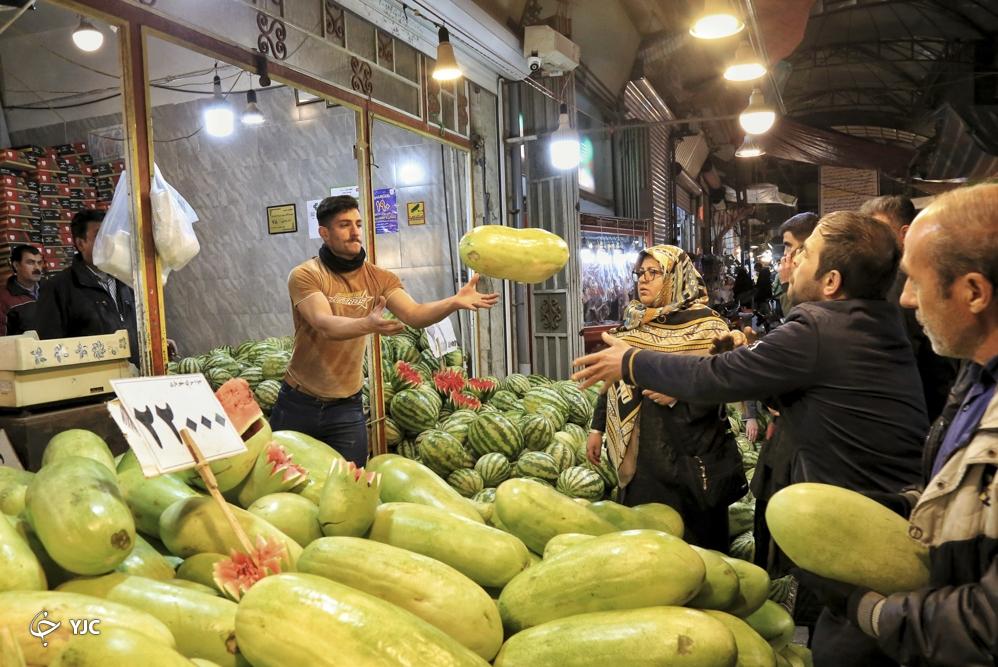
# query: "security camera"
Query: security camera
{"points": [[534, 62]]}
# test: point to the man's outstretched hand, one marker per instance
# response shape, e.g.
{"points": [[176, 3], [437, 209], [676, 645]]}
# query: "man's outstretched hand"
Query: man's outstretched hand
{"points": [[733, 340], [377, 324], [469, 298], [604, 365]]}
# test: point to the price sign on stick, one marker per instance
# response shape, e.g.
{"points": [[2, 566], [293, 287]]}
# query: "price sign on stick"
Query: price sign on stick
{"points": [[153, 411]]}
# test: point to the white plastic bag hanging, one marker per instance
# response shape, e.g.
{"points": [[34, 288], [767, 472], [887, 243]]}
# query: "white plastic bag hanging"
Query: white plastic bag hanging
{"points": [[113, 245], [172, 224]]}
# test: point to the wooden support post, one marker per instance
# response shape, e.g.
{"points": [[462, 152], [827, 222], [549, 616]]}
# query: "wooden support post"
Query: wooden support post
{"points": [[204, 469]]}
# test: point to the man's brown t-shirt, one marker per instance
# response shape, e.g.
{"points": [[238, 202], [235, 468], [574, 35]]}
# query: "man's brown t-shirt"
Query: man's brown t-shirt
{"points": [[320, 366]]}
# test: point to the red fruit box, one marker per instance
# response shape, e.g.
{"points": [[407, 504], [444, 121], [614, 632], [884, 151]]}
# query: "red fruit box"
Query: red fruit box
{"points": [[80, 147], [16, 196], [52, 265], [14, 236], [59, 252], [77, 181], [103, 205], [49, 202], [20, 210], [13, 182], [47, 164], [12, 155]]}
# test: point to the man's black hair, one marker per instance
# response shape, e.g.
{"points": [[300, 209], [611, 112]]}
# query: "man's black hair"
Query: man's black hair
{"points": [[330, 207], [17, 252], [82, 219], [800, 225]]}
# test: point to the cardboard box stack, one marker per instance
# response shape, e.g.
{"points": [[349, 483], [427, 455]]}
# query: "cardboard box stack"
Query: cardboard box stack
{"points": [[41, 188]]}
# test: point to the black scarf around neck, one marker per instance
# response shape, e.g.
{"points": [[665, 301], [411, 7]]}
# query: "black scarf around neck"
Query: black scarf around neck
{"points": [[338, 264]]}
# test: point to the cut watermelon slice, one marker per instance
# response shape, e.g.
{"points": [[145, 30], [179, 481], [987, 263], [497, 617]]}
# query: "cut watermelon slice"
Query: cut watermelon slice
{"points": [[240, 405]]}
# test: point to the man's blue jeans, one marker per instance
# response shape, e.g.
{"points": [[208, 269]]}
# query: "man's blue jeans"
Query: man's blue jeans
{"points": [[339, 422]]}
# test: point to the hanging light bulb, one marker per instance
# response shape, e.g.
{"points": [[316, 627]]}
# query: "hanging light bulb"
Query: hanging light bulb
{"points": [[219, 119], [746, 66], [717, 21], [757, 118], [565, 150], [446, 68], [750, 147], [87, 37], [252, 115]]}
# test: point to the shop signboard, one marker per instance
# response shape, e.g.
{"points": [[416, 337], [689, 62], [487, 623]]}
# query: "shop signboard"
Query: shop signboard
{"points": [[386, 212], [282, 219], [415, 212], [151, 412]]}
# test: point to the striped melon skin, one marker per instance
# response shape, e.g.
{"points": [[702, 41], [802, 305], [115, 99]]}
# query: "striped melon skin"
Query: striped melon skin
{"points": [[578, 433], [555, 415], [517, 384], [579, 482], [442, 453], [503, 400], [494, 468], [539, 396], [537, 430], [458, 423], [393, 434], [253, 375], [537, 464], [405, 350], [486, 495], [189, 366], [466, 481], [539, 380], [409, 450], [244, 350], [563, 455], [414, 410], [492, 432], [218, 376], [266, 393], [580, 411]]}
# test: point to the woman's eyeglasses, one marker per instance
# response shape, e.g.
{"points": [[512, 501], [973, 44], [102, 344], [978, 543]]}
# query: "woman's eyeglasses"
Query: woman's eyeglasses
{"points": [[653, 274]]}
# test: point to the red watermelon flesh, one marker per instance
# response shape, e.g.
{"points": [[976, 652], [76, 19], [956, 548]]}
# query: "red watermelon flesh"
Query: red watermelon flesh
{"points": [[240, 405]]}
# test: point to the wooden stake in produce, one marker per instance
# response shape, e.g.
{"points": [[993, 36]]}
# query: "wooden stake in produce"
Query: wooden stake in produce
{"points": [[204, 469]]}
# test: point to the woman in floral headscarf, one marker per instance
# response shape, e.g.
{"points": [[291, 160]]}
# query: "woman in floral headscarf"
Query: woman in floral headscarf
{"points": [[669, 451]]}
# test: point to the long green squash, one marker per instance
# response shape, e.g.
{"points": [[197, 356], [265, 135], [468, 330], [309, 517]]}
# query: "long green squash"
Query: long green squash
{"points": [[304, 619], [630, 570]]}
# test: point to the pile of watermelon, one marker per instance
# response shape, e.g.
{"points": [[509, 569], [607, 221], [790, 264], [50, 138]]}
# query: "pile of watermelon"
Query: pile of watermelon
{"points": [[476, 432], [260, 362]]}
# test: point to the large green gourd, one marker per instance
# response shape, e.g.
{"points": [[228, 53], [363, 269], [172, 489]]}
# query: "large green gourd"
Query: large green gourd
{"points": [[304, 619], [631, 570], [843, 535], [651, 636], [523, 255]]}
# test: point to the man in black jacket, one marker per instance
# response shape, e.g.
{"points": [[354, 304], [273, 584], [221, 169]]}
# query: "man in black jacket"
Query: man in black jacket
{"points": [[842, 373], [937, 373], [83, 300]]}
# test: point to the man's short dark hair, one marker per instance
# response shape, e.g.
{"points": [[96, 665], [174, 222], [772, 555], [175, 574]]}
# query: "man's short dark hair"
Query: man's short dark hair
{"points": [[800, 225], [17, 252], [82, 219], [899, 210], [863, 250], [330, 207]]}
